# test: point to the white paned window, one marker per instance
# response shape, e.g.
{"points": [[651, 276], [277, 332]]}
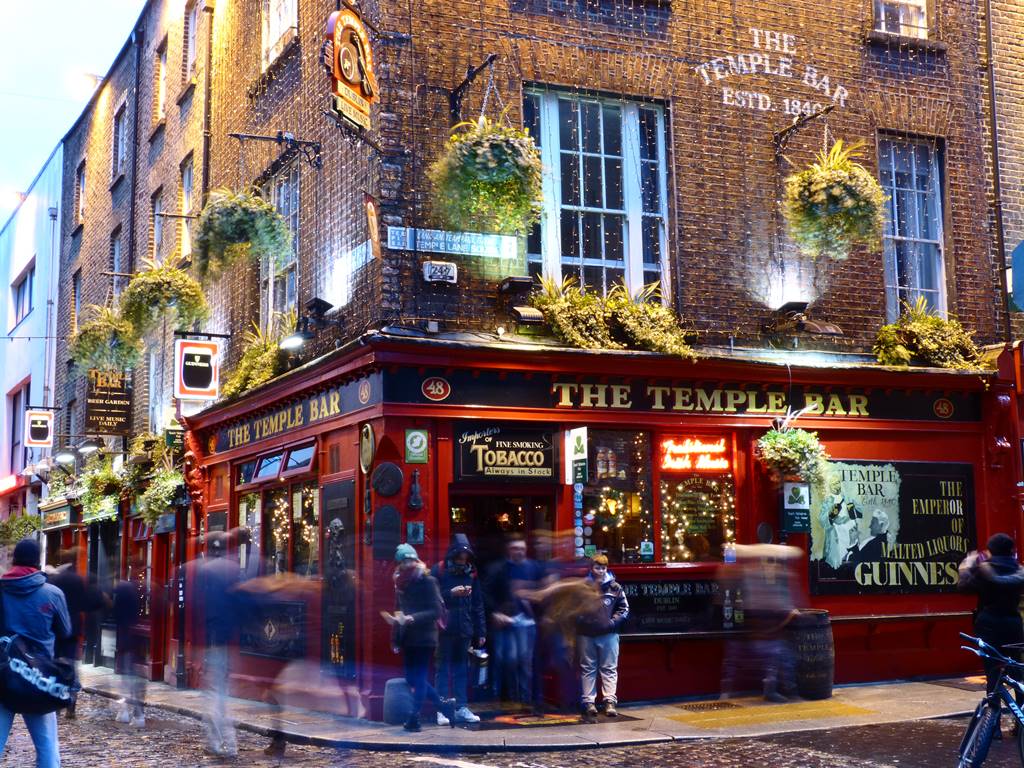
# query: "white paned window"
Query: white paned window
{"points": [[911, 175], [119, 150], [80, 194], [158, 223], [280, 25], [191, 31], [279, 279], [186, 208], [160, 85], [604, 212], [907, 18]]}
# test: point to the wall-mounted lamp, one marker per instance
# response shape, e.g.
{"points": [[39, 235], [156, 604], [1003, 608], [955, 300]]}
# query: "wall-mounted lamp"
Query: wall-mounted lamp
{"points": [[90, 446], [791, 318], [64, 456], [313, 320], [525, 315]]}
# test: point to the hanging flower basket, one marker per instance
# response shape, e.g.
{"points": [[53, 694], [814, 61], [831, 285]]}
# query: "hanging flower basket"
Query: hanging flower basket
{"points": [[488, 179], [924, 337], [834, 205], [159, 289], [238, 226], [100, 489], [788, 451], [108, 342], [156, 499]]}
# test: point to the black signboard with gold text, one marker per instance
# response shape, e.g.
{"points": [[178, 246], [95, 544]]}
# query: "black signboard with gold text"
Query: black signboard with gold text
{"points": [[108, 403], [496, 452]]}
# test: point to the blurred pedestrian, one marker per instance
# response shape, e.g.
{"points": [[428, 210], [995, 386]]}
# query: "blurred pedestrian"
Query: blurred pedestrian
{"points": [[465, 626], [997, 578], [81, 598], [599, 640], [131, 649], [36, 611], [415, 630], [514, 625], [218, 577]]}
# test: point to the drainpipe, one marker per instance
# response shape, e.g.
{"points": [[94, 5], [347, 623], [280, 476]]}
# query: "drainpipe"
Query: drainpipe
{"points": [[139, 38], [996, 174], [208, 9]]}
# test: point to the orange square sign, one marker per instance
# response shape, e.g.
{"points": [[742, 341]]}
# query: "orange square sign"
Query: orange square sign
{"points": [[196, 369]]}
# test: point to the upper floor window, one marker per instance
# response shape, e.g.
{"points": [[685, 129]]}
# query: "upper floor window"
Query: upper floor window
{"points": [[604, 212], [160, 83], [157, 211], [76, 299], [911, 175], [117, 266], [21, 293], [17, 401], [186, 207], [119, 150], [80, 194], [191, 31], [279, 278], [280, 25], [906, 18]]}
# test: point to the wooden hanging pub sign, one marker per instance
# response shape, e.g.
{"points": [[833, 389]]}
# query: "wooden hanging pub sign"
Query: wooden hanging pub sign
{"points": [[108, 403], [348, 59]]}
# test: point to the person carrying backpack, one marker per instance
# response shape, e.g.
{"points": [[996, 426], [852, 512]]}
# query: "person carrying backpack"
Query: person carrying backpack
{"points": [[37, 612]]}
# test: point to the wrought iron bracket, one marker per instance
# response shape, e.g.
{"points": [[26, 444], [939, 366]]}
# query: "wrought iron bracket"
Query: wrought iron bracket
{"points": [[310, 150]]}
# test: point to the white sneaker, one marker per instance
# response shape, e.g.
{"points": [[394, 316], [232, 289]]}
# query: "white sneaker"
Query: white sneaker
{"points": [[122, 713], [442, 720], [464, 715], [139, 721]]}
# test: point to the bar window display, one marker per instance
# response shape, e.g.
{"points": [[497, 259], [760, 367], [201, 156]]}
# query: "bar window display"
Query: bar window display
{"points": [[698, 501], [617, 509]]}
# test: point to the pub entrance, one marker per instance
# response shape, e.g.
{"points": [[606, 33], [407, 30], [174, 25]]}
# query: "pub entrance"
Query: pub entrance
{"points": [[489, 517]]}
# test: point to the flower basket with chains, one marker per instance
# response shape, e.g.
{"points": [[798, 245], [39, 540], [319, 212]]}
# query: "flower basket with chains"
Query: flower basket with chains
{"points": [[238, 226], [161, 288], [788, 451], [107, 342]]}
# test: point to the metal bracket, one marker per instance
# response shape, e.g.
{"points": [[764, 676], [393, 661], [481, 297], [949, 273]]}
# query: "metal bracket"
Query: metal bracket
{"points": [[781, 138], [310, 150], [458, 93]]}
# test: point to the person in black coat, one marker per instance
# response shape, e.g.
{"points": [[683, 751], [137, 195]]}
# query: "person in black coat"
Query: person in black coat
{"points": [[598, 632], [998, 581], [465, 625], [414, 625]]}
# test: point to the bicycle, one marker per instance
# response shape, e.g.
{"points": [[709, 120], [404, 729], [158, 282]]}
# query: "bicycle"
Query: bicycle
{"points": [[980, 731]]}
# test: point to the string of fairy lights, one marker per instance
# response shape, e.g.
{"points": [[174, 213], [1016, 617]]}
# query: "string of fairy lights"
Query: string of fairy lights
{"points": [[698, 518]]}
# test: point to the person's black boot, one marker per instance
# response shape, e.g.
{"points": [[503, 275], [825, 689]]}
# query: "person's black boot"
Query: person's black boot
{"points": [[412, 724]]}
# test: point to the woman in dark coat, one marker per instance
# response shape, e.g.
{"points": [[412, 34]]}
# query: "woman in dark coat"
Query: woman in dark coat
{"points": [[998, 581], [415, 630]]}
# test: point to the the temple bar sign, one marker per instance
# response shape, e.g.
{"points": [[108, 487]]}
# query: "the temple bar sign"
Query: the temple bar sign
{"points": [[108, 403]]}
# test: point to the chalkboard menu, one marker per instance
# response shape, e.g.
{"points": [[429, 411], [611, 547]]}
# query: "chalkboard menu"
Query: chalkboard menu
{"points": [[671, 606]]}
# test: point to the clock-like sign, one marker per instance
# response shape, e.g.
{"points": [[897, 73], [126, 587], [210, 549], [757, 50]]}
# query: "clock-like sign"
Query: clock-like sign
{"points": [[348, 58]]}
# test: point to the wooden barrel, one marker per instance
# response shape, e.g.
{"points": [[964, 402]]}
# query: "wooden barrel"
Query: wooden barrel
{"points": [[811, 638]]}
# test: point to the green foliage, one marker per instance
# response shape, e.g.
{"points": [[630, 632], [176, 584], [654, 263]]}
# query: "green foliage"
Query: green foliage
{"points": [[576, 316], [57, 484], [588, 320], [262, 358], [488, 179], [161, 288], [238, 226], [786, 450], [108, 342], [920, 335], [834, 204], [18, 527], [100, 488], [643, 322], [156, 499]]}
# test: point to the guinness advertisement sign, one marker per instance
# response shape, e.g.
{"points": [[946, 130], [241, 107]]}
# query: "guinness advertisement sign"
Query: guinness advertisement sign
{"points": [[108, 403], [495, 452]]}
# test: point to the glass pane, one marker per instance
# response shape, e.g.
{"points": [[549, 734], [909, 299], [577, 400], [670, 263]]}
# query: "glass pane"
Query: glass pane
{"points": [[613, 184], [568, 132], [592, 236], [277, 524], [298, 458], [591, 127], [927, 221], [246, 472], [533, 240], [307, 531], [593, 278], [569, 270], [901, 157], [612, 130], [268, 467], [698, 517], [923, 167], [613, 277], [649, 187], [652, 240], [651, 276], [535, 269], [902, 252], [531, 116], [570, 235], [648, 134], [592, 182], [904, 201], [928, 267], [613, 245], [570, 164], [617, 516]]}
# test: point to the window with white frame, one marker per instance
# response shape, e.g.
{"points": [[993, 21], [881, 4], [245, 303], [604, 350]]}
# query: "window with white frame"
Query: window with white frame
{"points": [[280, 25], [191, 32], [279, 277], [17, 401], [80, 194], [185, 231], [906, 18], [160, 83], [604, 212], [911, 175], [119, 150], [21, 293], [157, 216], [116, 262]]}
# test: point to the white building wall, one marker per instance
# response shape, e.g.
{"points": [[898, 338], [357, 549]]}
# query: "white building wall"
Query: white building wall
{"points": [[27, 348]]}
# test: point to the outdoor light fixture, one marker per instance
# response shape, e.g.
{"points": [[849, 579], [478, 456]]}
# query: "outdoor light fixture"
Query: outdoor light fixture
{"points": [[90, 446], [64, 456], [791, 317], [313, 320], [525, 315], [515, 284]]}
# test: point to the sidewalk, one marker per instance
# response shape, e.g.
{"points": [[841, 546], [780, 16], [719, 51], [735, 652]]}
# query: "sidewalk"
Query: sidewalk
{"points": [[642, 724]]}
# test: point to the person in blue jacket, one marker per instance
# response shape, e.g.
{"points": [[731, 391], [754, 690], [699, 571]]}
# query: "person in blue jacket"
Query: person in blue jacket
{"points": [[36, 611], [465, 625]]}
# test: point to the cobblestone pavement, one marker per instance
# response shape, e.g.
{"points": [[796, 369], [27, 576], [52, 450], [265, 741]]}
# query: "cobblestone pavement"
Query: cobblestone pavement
{"points": [[168, 740]]}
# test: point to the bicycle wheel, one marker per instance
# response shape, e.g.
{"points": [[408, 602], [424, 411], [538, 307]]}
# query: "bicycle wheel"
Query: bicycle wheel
{"points": [[978, 739]]}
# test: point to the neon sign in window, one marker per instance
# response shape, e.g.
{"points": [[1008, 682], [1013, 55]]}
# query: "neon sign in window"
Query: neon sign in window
{"points": [[695, 454]]}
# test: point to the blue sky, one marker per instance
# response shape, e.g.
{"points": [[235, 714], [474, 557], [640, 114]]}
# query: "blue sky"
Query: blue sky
{"points": [[45, 47]]}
